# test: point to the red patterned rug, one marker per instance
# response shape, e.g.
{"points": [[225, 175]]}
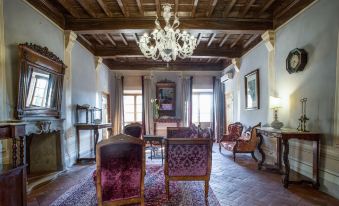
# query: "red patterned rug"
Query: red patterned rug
{"points": [[181, 193]]}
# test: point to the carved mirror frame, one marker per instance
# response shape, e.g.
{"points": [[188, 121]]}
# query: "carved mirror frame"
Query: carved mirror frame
{"points": [[35, 56]]}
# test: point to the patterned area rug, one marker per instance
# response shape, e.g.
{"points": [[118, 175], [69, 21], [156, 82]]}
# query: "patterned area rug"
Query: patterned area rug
{"points": [[181, 193]]}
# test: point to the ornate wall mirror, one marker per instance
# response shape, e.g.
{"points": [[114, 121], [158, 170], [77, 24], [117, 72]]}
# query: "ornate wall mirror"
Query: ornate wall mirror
{"points": [[40, 82], [166, 95]]}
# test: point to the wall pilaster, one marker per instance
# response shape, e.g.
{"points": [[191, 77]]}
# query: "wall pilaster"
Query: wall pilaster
{"points": [[3, 106]]}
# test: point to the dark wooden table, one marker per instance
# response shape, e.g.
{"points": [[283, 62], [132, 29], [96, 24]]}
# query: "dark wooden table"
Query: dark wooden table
{"points": [[89, 127], [13, 177], [283, 136], [156, 138]]}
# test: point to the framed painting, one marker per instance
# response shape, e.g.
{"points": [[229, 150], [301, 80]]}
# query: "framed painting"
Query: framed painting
{"points": [[252, 90]]}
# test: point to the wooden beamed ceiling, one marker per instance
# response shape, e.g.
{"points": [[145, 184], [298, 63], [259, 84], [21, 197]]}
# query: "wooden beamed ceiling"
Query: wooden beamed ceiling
{"points": [[224, 29]]}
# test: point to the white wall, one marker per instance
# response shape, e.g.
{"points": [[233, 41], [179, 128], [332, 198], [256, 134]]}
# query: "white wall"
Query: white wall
{"points": [[315, 30]]}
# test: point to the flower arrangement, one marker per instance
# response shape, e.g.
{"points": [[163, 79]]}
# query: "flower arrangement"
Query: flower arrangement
{"points": [[155, 106]]}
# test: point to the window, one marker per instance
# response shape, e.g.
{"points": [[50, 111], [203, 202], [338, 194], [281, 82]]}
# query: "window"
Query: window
{"points": [[202, 106], [132, 106]]}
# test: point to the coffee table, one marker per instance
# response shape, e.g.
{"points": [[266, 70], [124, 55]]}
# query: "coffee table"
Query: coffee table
{"points": [[155, 138]]}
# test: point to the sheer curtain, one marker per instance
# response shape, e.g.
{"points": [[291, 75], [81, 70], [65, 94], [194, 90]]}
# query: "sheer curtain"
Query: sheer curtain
{"points": [[187, 101], [147, 95], [218, 108], [117, 104]]}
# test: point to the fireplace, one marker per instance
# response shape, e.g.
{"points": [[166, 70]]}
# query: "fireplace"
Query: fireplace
{"points": [[44, 151]]}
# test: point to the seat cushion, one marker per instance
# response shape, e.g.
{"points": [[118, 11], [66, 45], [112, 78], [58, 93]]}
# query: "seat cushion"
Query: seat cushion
{"points": [[229, 145]]}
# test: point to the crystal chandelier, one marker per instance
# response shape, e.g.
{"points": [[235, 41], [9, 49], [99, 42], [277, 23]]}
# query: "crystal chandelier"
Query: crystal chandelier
{"points": [[167, 43]]}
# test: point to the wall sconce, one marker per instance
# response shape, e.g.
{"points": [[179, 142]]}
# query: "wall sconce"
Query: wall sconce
{"points": [[275, 104]]}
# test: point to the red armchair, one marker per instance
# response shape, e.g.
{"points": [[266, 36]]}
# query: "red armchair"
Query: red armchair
{"points": [[120, 171], [246, 143], [188, 158]]}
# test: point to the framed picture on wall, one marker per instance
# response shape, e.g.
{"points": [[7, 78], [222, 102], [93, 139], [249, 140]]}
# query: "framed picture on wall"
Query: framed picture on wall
{"points": [[252, 90]]}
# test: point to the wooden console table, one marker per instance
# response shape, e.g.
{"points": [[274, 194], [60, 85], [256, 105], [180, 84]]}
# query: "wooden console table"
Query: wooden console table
{"points": [[13, 177], [283, 136], [95, 128]]}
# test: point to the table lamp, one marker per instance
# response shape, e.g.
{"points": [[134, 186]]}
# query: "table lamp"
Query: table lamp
{"points": [[275, 104]]}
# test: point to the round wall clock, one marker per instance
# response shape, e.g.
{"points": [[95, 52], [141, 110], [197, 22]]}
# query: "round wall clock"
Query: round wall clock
{"points": [[296, 60]]}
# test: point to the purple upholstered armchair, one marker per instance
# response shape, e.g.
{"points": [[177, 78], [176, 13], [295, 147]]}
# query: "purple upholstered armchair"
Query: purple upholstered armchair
{"points": [[133, 129], [188, 158], [120, 170]]}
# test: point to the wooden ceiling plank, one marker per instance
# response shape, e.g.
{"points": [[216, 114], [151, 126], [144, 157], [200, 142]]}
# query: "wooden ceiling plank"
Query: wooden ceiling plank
{"points": [[247, 8], [176, 3], [109, 37], [224, 24], [224, 40], [199, 38], [283, 11], [140, 7], [85, 39], [66, 4], [211, 39], [85, 4], [123, 8], [96, 37], [136, 38], [123, 38], [212, 4], [237, 40], [50, 11], [209, 60], [104, 7], [158, 8], [266, 6], [254, 36], [230, 7], [194, 9]]}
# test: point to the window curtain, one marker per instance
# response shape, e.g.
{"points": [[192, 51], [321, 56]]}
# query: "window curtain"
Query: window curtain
{"points": [[187, 101], [147, 95], [117, 97], [218, 108]]}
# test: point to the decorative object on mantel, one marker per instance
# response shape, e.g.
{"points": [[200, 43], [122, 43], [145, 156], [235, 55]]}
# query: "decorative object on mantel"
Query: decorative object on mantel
{"points": [[275, 104], [296, 60], [252, 90], [303, 118], [167, 43], [41, 76]]}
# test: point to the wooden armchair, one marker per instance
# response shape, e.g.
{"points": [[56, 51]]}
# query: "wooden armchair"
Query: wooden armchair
{"points": [[120, 171], [246, 143], [133, 129], [188, 158]]}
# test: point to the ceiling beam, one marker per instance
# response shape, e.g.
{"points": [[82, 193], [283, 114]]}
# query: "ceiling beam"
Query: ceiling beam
{"points": [[266, 6], [109, 37], [82, 40], [86, 6], [199, 39], [225, 24], [114, 65], [211, 39], [136, 38], [176, 4], [224, 40], [254, 36], [213, 3], [96, 37], [109, 52], [85, 39], [247, 8], [50, 11], [140, 7], [157, 5], [104, 7], [230, 7], [123, 8], [123, 38], [66, 4], [236, 41], [195, 4]]}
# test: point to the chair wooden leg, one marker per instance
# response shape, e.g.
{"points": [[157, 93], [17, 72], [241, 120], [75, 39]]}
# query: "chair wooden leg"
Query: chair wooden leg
{"points": [[233, 156], [253, 156], [206, 189], [142, 202], [167, 187]]}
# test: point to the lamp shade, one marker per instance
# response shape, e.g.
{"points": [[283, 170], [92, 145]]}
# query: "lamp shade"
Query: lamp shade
{"points": [[275, 102]]}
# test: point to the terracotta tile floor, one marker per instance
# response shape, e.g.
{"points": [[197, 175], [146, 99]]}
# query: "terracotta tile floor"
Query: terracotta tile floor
{"points": [[238, 183]]}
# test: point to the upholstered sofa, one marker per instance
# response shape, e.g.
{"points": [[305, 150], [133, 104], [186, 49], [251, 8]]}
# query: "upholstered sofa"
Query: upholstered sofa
{"points": [[188, 157], [238, 142]]}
